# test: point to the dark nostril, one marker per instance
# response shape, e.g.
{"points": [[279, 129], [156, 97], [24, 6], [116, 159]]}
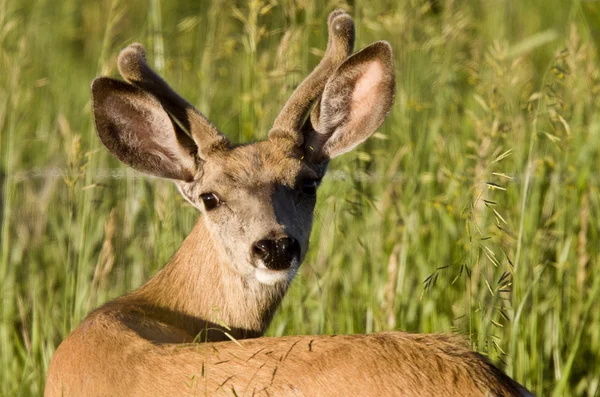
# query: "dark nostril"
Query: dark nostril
{"points": [[277, 254], [263, 248], [291, 246]]}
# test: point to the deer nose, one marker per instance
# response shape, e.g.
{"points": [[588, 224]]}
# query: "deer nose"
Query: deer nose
{"points": [[277, 254]]}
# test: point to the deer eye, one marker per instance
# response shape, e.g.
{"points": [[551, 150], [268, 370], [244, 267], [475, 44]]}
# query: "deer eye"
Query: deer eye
{"points": [[309, 187], [210, 200]]}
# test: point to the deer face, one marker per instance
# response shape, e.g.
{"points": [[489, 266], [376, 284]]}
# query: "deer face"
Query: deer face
{"points": [[257, 200]]}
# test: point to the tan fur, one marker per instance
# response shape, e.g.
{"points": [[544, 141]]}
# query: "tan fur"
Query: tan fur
{"points": [[383, 364], [171, 336]]}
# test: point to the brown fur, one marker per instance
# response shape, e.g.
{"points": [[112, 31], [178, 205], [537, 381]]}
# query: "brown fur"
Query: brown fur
{"points": [[214, 288], [383, 364]]}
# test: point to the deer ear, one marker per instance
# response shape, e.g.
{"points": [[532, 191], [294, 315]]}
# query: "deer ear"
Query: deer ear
{"points": [[356, 99], [137, 130]]}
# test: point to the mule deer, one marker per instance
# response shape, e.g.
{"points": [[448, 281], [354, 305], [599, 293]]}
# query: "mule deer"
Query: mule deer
{"points": [[257, 204]]}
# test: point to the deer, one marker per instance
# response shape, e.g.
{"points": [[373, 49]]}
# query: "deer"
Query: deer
{"points": [[256, 203]]}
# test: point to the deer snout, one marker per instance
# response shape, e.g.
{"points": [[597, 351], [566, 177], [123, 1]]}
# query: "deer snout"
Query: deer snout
{"points": [[277, 254]]}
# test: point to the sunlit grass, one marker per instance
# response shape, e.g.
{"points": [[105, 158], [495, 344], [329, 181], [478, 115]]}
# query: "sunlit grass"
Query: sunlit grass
{"points": [[474, 209]]}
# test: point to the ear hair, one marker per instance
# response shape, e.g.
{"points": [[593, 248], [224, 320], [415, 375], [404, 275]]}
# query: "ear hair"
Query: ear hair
{"points": [[136, 129], [356, 99]]}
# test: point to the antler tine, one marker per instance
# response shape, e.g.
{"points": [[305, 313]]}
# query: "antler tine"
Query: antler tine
{"points": [[339, 46], [134, 68]]}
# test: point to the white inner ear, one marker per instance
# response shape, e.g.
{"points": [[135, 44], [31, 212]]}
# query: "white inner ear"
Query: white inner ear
{"points": [[364, 97], [363, 111]]}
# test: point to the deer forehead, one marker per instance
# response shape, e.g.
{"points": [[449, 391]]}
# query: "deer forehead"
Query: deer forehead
{"points": [[260, 163]]}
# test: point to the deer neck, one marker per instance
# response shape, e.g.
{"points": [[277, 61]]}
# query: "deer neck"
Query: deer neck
{"points": [[200, 294]]}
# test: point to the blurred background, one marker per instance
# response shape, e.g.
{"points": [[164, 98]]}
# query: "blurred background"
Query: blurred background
{"points": [[474, 209]]}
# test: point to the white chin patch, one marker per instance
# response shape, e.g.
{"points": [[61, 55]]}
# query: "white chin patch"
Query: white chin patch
{"points": [[272, 277]]}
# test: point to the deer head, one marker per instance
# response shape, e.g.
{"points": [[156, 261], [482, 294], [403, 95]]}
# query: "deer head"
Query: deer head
{"points": [[257, 200]]}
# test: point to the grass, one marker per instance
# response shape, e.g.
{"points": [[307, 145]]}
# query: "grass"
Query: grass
{"points": [[474, 209]]}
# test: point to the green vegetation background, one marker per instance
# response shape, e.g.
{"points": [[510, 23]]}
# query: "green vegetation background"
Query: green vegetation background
{"points": [[474, 209]]}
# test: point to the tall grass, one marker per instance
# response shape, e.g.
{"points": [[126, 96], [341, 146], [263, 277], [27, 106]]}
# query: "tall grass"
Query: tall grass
{"points": [[474, 209]]}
